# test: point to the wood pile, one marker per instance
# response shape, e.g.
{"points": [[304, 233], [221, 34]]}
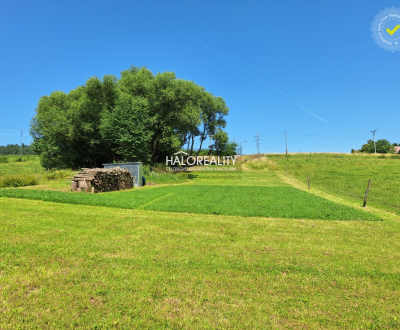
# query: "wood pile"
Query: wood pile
{"points": [[101, 180]]}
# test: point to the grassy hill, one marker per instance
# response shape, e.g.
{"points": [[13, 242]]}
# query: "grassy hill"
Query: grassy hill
{"points": [[347, 175]]}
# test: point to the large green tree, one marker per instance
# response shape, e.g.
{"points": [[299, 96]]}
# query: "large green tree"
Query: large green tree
{"points": [[139, 117], [66, 127]]}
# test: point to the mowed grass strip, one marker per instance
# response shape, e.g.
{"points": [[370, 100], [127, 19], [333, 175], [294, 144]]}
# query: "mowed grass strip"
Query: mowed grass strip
{"points": [[84, 267], [279, 202]]}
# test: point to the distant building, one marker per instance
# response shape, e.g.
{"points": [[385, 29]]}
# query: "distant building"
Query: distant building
{"points": [[396, 149]]}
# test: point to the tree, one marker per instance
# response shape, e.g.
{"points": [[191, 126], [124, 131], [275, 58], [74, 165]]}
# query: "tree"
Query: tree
{"points": [[137, 117], [127, 128], [222, 145], [382, 146], [213, 110], [66, 127], [15, 149]]}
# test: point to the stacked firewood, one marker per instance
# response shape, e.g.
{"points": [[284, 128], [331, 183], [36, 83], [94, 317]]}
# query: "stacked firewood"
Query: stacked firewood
{"points": [[101, 180]]}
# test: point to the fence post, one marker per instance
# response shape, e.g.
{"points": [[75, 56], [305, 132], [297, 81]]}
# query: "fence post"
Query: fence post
{"points": [[366, 193], [308, 179]]}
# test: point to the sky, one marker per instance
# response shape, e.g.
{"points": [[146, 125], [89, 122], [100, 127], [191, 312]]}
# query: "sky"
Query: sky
{"points": [[310, 68]]}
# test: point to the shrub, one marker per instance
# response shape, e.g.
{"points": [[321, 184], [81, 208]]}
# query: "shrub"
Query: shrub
{"points": [[20, 159], [59, 174], [3, 159], [18, 180]]}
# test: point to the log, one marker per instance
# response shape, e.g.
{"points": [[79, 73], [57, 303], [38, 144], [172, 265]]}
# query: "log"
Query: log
{"points": [[102, 180], [74, 185]]}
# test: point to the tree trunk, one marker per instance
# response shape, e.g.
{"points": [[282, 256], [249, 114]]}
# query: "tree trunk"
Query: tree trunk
{"points": [[202, 138], [154, 151], [188, 143], [191, 149]]}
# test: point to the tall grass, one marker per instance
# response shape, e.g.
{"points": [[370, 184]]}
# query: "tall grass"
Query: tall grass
{"points": [[3, 159], [260, 162], [158, 174], [18, 180]]}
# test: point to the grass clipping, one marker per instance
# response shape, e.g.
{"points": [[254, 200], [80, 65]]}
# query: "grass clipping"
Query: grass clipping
{"points": [[260, 163]]}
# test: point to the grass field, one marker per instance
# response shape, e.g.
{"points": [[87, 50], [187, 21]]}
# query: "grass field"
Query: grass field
{"points": [[72, 266], [254, 250], [348, 175], [27, 165], [281, 202]]}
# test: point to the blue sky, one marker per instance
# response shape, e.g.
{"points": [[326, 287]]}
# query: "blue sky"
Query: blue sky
{"points": [[307, 67]]}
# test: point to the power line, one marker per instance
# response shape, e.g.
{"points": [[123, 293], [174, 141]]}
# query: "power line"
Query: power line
{"points": [[332, 137], [257, 140], [286, 143], [373, 132]]}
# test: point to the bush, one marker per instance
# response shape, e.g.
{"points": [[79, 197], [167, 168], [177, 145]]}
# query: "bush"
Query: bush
{"points": [[59, 174], [3, 159], [20, 159], [18, 180]]}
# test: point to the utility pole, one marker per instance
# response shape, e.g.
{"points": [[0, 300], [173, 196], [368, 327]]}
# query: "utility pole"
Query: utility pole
{"points": [[20, 148], [257, 140], [286, 143], [373, 132], [244, 147]]}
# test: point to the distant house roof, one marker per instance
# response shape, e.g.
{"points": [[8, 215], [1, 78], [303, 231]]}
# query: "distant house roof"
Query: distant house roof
{"points": [[396, 149]]}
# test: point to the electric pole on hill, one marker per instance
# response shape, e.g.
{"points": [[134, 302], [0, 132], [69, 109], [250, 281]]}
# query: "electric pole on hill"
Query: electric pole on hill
{"points": [[244, 147], [257, 141], [373, 132]]}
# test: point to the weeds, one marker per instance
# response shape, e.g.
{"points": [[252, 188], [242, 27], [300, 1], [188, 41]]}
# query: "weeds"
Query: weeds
{"points": [[3, 159], [260, 163], [59, 174], [18, 180]]}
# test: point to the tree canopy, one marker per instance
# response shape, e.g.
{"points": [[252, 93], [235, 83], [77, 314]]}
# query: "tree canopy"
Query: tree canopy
{"points": [[139, 117], [15, 149], [382, 146]]}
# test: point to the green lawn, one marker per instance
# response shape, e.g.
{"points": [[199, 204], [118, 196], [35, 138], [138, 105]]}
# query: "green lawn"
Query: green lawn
{"points": [[68, 266], [281, 202], [29, 165]]}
